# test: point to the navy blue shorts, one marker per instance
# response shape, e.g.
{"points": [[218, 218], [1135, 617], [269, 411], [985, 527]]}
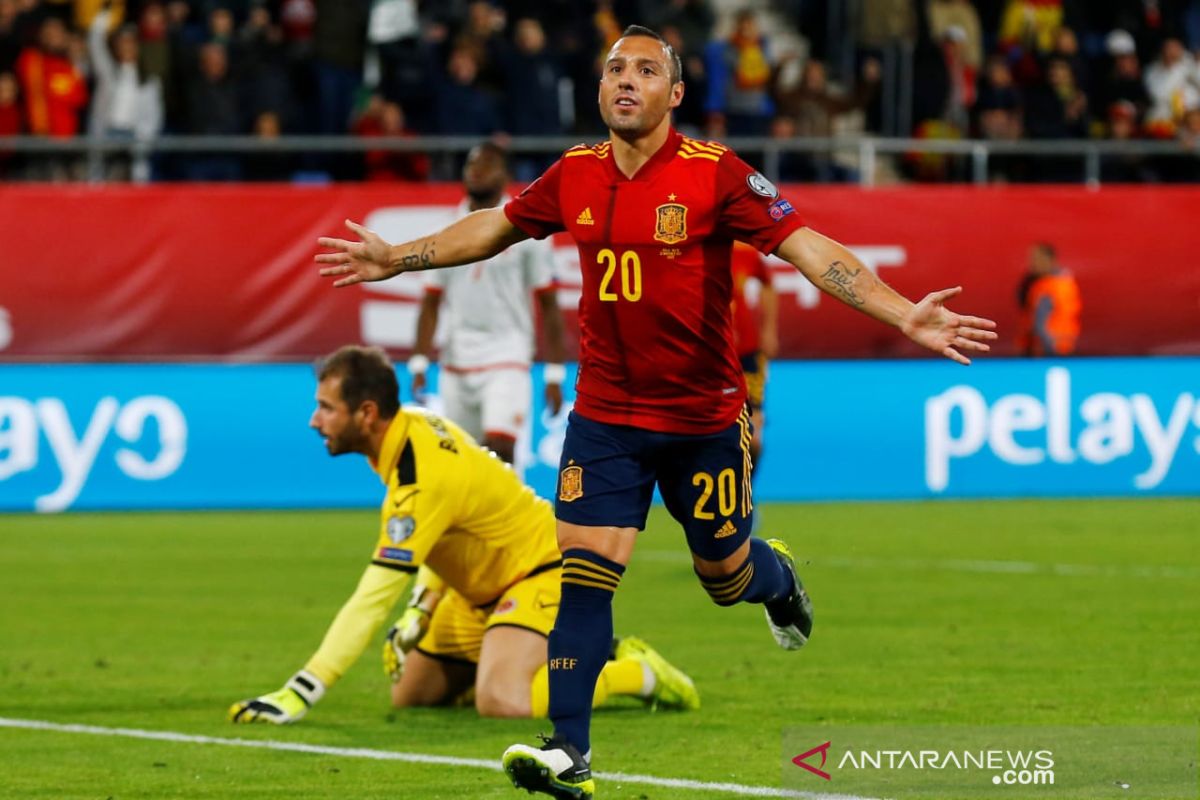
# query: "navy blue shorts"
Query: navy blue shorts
{"points": [[607, 476]]}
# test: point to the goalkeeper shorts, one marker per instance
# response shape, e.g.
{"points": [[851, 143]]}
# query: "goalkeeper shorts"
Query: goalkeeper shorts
{"points": [[457, 627]]}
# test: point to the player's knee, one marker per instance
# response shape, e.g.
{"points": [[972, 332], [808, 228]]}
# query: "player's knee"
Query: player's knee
{"points": [[728, 589], [504, 447], [493, 701]]}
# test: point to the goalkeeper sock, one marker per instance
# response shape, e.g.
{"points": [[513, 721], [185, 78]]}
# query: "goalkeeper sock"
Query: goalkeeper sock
{"points": [[760, 579], [580, 642], [624, 677]]}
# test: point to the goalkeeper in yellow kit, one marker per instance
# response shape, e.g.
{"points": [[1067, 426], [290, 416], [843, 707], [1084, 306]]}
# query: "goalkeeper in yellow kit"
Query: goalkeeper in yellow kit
{"points": [[488, 568]]}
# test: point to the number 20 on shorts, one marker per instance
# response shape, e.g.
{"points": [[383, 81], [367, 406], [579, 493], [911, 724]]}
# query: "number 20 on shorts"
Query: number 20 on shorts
{"points": [[631, 275], [726, 491]]}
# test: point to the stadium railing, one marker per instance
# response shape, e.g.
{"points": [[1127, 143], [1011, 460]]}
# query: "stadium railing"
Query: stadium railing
{"points": [[863, 155]]}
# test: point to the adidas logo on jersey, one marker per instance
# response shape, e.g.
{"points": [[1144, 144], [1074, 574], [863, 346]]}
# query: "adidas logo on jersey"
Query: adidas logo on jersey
{"points": [[585, 217], [728, 529]]}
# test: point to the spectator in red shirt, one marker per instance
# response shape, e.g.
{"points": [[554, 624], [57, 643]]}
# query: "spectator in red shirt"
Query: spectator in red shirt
{"points": [[54, 91], [385, 118]]}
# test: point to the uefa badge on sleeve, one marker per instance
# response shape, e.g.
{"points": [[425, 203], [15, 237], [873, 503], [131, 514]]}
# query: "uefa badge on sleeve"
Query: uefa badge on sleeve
{"points": [[400, 528]]}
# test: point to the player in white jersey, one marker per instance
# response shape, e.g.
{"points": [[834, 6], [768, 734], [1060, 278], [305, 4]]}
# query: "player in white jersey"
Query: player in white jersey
{"points": [[484, 381]]}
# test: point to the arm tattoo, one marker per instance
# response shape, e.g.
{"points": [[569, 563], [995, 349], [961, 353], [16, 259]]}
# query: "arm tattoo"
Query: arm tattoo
{"points": [[418, 260], [851, 284]]}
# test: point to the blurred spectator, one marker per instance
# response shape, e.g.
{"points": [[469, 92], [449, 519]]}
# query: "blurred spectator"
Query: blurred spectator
{"points": [[1124, 79], [1066, 47], [268, 165], [960, 78], [1050, 305], [791, 167], [960, 14], [812, 106], [339, 45], [386, 118], [263, 68], [532, 75], [1173, 85], [1122, 126], [739, 81], [10, 43], [126, 104], [689, 116], [483, 33], [213, 109], [463, 107], [1057, 109], [53, 88], [998, 118], [154, 51]]}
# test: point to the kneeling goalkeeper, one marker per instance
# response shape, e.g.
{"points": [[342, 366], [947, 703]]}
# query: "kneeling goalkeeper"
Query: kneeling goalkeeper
{"points": [[488, 565]]}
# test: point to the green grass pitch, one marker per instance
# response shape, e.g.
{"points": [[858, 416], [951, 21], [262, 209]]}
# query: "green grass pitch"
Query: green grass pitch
{"points": [[1001, 613]]}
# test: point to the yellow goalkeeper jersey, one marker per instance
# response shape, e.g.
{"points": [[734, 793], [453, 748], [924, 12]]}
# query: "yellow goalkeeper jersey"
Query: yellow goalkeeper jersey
{"points": [[456, 507]]}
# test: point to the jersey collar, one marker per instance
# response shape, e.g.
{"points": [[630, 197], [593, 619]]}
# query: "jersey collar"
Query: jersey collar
{"points": [[660, 159], [393, 443]]}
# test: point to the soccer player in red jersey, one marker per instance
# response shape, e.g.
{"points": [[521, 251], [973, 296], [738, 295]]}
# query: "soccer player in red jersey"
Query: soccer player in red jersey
{"points": [[660, 393]]}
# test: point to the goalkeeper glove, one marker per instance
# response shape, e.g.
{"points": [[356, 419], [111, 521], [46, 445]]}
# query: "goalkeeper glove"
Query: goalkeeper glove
{"points": [[408, 630], [289, 704]]}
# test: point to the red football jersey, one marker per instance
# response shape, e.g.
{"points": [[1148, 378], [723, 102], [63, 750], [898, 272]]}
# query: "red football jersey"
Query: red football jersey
{"points": [[746, 264], [656, 340]]}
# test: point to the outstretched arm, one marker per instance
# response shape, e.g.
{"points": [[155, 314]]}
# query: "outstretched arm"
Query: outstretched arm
{"points": [[834, 269], [476, 237]]}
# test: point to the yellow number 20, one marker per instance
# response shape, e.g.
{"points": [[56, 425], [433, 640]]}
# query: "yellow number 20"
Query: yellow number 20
{"points": [[631, 275]]}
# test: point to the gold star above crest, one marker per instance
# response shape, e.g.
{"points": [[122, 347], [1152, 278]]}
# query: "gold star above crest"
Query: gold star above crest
{"points": [[671, 197]]}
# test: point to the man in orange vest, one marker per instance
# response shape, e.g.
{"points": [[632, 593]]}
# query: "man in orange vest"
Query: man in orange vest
{"points": [[1050, 306]]}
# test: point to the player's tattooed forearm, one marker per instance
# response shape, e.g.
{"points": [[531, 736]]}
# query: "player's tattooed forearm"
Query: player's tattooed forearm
{"points": [[850, 283], [418, 260]]}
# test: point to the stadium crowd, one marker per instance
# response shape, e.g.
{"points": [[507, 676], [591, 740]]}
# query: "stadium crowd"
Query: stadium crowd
{"points": [[995, 69]]}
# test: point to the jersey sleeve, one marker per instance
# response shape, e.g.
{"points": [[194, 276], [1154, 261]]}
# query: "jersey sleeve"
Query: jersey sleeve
{"points": [[750, 208], [414, 516], [535, 210]]}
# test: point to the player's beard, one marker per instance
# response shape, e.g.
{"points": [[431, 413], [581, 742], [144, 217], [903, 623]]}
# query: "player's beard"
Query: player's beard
{"points": [[344, 441]]}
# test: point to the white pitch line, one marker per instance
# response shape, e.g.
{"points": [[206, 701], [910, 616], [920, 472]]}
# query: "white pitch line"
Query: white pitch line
{"points": [[411, 758], [1152, 571]]}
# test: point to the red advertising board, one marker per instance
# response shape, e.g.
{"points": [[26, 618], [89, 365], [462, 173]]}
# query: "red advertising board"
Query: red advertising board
{"points": [[168, 272]]}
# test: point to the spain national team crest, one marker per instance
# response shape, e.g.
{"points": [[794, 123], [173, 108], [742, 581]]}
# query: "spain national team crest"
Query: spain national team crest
{"points": [[671, 225], [570, 484]]}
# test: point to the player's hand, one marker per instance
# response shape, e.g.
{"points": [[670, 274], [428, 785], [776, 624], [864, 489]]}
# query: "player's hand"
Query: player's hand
{"points": [[279, 707], [402, 638], [933, 326], [554, 398], [368, 259], [289, 704]]}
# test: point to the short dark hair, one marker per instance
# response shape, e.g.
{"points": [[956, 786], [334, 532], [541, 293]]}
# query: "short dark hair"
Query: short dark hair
{"points": [[367, 374], [1047, 248], [494, 150], [674, 65]]}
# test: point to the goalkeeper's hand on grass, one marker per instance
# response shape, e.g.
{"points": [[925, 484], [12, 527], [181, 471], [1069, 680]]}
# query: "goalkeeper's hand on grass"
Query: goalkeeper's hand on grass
{"points": [[403, 637], [289, 704]]}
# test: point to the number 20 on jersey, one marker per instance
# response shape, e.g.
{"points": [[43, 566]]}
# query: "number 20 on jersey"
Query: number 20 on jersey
{"points": [[630, 284]]}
